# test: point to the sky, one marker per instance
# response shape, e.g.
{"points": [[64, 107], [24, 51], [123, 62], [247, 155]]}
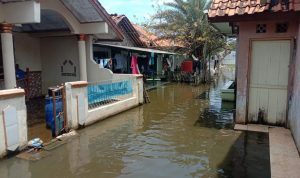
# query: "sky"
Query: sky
{"points": [[138, 11]]}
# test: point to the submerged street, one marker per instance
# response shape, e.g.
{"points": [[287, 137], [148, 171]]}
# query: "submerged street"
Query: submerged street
{"points": [[186, 131]]}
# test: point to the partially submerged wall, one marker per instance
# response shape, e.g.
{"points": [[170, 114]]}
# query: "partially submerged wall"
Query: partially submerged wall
{"points": [[294, 111], [77, 103], [14, 98], [247, 32]]}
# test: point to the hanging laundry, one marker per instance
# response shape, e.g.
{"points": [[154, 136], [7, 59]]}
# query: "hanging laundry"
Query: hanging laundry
{"points": [[101, 65], [134, 65], [151, 61]]}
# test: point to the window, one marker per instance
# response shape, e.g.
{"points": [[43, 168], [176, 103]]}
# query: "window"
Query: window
{"points": [[261, 28], [281, 28]]}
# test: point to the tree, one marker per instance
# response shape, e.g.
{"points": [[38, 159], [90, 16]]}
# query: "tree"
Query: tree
{"points": [[185, 22]]}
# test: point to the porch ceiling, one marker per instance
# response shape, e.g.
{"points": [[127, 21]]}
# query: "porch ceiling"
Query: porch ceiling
{"points": [[50, 21]]}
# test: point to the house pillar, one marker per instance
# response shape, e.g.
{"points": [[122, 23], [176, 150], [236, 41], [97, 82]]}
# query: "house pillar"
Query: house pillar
{"points": [[82, 56], [8, 56]]}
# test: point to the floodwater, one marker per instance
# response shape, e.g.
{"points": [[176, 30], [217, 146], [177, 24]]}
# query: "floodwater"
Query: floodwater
{"points": [[185, 131]]}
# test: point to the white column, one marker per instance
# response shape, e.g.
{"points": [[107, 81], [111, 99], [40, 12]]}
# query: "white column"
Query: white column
{"points": [[82, 57], [8, 56]]}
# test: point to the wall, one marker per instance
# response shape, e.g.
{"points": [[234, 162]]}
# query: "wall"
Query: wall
{"points": [[94, 73], [247, 31], [54, 52], [27, 52], [294, 112], [14, 98], [74, 89]]}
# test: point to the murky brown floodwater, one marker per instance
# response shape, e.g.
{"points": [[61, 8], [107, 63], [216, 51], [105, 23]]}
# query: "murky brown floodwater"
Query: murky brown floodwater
{"points": [[184, 132]]}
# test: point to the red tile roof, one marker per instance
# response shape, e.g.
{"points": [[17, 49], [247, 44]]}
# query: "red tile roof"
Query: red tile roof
{"points": [[220, 8], [154, 41], [128, 29]]}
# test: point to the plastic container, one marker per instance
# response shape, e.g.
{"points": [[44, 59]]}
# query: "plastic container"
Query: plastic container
{"points": [[187, 66], [49, 110]]}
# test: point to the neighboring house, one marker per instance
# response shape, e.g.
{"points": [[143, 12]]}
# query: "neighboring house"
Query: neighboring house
{"points": [[268, 59], [135, 42], [230, 58], [131, 35]]}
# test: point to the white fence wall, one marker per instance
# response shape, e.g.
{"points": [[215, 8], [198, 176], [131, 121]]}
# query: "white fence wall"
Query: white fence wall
{"points": [[14, 98]]}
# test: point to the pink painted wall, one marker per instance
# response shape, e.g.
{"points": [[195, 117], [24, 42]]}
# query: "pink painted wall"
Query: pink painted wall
{"points": [[247, 32], [294, 111]]}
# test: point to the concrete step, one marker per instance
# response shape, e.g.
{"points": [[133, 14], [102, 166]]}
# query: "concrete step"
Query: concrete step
{"points": [[284, 156]]}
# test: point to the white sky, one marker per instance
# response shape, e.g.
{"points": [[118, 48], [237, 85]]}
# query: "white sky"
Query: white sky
{"points": [[136, 10]]}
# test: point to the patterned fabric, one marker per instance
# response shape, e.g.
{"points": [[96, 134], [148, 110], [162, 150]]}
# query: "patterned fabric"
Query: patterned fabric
{"points": [[32, 84]]}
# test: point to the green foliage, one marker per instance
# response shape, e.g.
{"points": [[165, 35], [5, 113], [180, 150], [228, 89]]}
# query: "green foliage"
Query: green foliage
{"points": [[185, 23]]}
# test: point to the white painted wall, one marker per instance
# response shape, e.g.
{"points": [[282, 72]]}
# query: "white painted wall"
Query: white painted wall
{"points": [[17, 102], [54, 51], [102, 112], [71, 100], [27, 52], [294, 103], [94, 73], [20, 12]]}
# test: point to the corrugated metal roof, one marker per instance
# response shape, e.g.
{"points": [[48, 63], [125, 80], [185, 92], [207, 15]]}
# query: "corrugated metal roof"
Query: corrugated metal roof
{"points": [[136, 48], [84, 11], [220, 8]]}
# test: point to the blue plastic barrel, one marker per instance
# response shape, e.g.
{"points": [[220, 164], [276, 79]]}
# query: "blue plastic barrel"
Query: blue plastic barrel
{"points": [[49, 110]]}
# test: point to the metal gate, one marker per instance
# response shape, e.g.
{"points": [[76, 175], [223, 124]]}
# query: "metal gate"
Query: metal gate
{"points": [[59, 123]]}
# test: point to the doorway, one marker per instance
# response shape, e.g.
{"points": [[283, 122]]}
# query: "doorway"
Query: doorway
{"points": [[268, 84]]}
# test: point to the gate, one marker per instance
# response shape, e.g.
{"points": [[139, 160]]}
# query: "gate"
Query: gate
{"points": [[56, 110]]}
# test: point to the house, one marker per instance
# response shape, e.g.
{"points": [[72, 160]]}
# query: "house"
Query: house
{"points": [[135, 43], [49, 43], [59, 33], [268, 59]]}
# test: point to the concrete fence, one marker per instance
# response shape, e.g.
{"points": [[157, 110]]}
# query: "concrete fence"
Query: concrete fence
{"points": [[13, 120], [13, 113], [77, 104]]}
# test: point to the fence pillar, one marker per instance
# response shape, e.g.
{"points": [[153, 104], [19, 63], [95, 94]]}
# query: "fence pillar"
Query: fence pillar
{"points": [[140, 88], [77, 103], [13, 120]]}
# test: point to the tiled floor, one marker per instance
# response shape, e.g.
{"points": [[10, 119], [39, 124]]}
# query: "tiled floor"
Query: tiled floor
{"points": [[284, 156]]}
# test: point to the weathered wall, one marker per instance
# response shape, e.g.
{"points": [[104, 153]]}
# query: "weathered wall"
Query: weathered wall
{"points": [[55, 51], [72, 92], [94, 73], [294, 112], [27, 52], [74, 89], [247, 32], [13, 98]]}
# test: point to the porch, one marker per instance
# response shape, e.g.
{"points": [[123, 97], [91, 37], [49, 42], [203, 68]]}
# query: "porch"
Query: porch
{"points": [[51, 49]]}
